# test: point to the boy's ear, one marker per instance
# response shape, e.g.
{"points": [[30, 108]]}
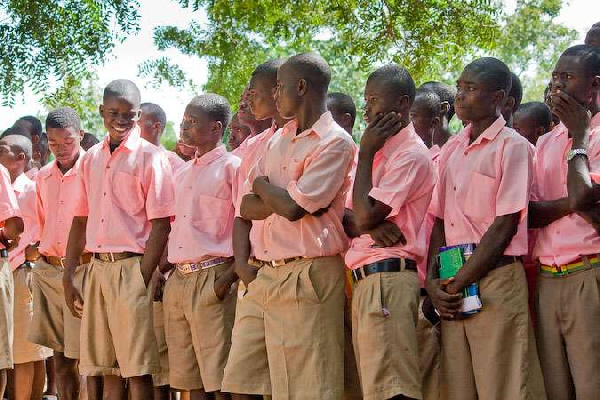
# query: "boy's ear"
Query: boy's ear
{"points": [[302, 87], [435, 122], [500, 97], [540, 131], [404, 102], [101, 110], [218, 128], [445, 107], [510, 102]]}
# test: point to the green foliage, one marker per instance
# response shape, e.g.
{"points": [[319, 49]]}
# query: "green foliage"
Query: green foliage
{"points": [[84, 95], [169, 137], [45, 39], [433, 38]]}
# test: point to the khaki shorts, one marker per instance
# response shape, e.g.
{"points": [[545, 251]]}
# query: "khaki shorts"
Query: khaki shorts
{"points": [[117, 328], [428, 339], [6, 315], [568, 331], [299, 310], [198, 327], [162, 377], [384, 321], [492, 355], [25, 351], [53, 325], [352, 390]]}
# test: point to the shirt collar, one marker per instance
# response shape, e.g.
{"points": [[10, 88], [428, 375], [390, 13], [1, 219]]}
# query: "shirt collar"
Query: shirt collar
{"points": [[489, 134], [434, 151], [211, 156], [131, 141], [20, 184], [57, 171], [321, 127]]}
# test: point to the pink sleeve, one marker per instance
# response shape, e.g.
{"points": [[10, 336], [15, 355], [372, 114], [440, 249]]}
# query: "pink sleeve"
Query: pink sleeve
{"points": [[402, 177], [323, 178], [81, 204], [516, 177], [39, 207], [159, 188], [8, 201]]}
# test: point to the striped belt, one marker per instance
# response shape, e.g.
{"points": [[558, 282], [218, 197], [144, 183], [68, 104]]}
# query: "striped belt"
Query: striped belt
{"points": [[188, 268], [581, 264], [59, 261], [273, 263]]}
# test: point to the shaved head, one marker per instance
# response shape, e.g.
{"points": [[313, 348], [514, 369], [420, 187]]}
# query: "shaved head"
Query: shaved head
{"points": [[593, 36], [19, 144], [312, 68], [124, 89]]}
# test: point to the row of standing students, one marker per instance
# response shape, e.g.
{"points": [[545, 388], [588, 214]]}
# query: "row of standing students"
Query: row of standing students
{"points": [[256, 243]]}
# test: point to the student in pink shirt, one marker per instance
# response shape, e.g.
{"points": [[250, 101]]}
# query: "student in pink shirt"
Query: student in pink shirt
{"points": [[238, 378], [485, 179], [394, 181], [565, 208], [446, 94], [199, 305], [123, 218], [11, 226], [298, 191], [29, 358], [238, 133], [152, 125], [53, 325], [343, 110]]}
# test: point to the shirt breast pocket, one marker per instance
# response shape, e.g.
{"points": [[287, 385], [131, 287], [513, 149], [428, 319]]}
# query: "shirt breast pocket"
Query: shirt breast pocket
{"points": [[128, 193], [213, 215], [480, 202]]}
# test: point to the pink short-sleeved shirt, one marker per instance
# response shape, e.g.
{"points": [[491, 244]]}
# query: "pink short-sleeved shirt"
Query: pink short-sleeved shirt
{"points": [[403, 179], [570, 237], [9, 207], [174, 160], [32, 173], [313, 166], [249, 151], [122, 192], [480, 181], [204, 207], [57, 197], [24, 189]]}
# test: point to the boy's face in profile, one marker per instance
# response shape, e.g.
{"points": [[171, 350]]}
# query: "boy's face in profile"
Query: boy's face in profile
{"points": [[238, 133], [286, 93], [423, 121], [378, 99], [120, 116], [261, 98], [197, 129]]}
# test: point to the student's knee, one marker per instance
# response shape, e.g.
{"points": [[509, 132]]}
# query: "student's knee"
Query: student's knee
{"points": [[63, 363]]}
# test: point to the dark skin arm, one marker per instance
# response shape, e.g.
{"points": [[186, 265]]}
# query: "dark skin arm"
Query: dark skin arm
{"points": [[241, 250], [349, 224], [487, 253], [253, 208], [75, 248], [277, 199], [386, 234], [543, 213], [155, 246], [368, 212], [448, 305]]}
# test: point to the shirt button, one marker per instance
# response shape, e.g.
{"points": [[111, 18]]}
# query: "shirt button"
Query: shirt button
{"points": [[455, 188], [102, 220], [465, 153], [451, 224], [104, 194]]}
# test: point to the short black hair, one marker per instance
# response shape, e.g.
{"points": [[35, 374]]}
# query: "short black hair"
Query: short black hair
{"points": [[539, 111], [89, 139], [397, 79], [123, 88], [64, 117], [16, 130], [516, 90], [22, 142], [313, 68], [590, 57], [156, 113], [36, 125], [445, 92], [493, 72], [343, 103], [216, 106], [429, 101], [268, 70]]}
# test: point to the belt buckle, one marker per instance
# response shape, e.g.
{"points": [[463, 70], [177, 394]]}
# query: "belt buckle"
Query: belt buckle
{"points": [[277, 263], [357, 274]]}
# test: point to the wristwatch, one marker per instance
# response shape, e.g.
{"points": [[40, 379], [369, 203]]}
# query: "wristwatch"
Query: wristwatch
{"points": [[576, 152]]}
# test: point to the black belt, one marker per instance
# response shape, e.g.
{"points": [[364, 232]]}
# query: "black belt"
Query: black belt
{"points": [[4, 253], [387, 265]]}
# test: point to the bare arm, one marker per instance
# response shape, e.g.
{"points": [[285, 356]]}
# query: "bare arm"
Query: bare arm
{"points": [[277, 199], [75, 248], [155, 246], [543, 213], [253, 208]]}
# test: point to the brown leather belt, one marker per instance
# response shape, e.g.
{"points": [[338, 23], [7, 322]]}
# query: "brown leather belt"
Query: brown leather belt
{"points": [[113, 257], [59, 261]]}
